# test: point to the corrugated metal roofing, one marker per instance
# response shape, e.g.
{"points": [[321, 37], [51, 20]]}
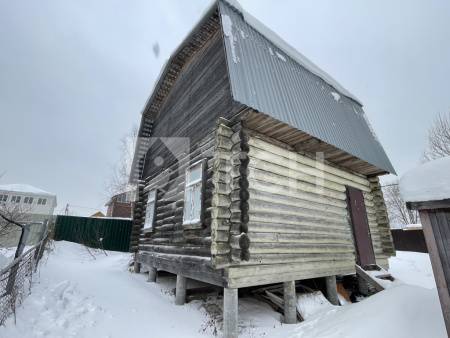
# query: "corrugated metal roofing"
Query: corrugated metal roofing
{"points": [[266, 78]]}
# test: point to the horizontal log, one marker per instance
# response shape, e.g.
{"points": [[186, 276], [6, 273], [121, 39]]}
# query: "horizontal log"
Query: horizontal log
{"points": [[242, 282], [284, 190], [261, 270], [312, 163], [256, 205], [304, 237], [257, 248], [259, 171], [267, 216], [303, 202], [202, 251]]}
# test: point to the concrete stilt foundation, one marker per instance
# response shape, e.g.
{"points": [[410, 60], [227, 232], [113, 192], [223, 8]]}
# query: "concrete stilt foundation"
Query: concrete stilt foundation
{"points": [[290, 303], [230, 313], [180, 292]]}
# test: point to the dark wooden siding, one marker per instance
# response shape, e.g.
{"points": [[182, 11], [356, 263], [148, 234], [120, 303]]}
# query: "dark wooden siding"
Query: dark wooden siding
{"points": [[409, 240], [436, 228], [191, 110], [200, 95]]}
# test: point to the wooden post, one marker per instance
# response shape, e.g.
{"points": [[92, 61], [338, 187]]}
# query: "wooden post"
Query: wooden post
{"points": [[332, 293], [290, 303], [137, 265], [436, 248], [180, 291], [152, 272], [230, 313]]}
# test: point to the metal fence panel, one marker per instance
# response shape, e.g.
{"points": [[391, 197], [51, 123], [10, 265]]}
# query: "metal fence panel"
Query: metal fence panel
{"points": [[16, 279], [103, 233]]}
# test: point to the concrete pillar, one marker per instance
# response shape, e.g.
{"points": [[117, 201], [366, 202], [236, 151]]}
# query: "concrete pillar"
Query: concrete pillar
{"points": [[152, 275], [180, 291], [230, 313], [290, 303], [332, 293]]}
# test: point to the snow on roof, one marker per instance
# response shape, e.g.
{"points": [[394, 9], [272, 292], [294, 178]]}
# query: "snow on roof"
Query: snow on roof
{"points": [[25, 188], [427, 182], [289, 50]]}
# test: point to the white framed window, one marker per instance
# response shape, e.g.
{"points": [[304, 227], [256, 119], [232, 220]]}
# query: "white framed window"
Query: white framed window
{"points": [[193, 194], [150, 210], [42, 201], [3, 198]]}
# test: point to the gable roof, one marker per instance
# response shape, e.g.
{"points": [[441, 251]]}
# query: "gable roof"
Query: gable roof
{"points": [[271, 77]]}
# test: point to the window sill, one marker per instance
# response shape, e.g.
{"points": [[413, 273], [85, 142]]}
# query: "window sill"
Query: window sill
{"points": [[192, 225]]}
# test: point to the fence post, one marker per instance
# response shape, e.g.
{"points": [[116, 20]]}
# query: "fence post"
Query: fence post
{"points": [[19, 251]]}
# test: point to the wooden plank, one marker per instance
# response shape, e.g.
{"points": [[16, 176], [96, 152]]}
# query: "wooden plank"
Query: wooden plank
{"points": [[439, 260], [363, 241]]}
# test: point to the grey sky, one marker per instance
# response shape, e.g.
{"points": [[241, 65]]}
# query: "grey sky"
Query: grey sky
{"points": [[74, 76]]}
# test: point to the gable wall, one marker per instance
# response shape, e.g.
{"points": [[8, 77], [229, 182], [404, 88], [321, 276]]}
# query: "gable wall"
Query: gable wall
{"points": [[200, 95]]}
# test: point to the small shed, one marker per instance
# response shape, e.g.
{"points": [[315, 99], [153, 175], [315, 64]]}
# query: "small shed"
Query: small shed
{"points": [[427, 189]]}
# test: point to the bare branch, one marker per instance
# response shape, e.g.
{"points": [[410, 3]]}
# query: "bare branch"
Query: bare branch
{"points": [[7, 219], [119, 180], [396, 206], [438, 139]]}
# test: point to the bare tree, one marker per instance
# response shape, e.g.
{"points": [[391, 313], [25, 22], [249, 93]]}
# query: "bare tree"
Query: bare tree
{"points": [[119, 180], [398, 213], [438, 139], [12, 217]]}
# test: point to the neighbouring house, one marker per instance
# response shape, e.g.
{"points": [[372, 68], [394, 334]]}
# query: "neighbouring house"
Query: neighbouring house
{"points": [[98, 214], [121, 205], [26, 204], [427, 189], [254, 167]]}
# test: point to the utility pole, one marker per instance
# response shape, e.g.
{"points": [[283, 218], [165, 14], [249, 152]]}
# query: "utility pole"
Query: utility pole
{"points": [[66, 211]]}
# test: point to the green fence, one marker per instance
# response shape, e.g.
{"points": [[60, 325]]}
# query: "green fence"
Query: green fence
{"points": [[103, 233]]}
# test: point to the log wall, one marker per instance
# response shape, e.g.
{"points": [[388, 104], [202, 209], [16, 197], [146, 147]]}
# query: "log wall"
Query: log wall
{"points": [[298, 223]]}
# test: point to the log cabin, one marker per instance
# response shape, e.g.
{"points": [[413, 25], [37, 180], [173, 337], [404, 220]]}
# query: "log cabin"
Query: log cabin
{"points": [[253, 167]]}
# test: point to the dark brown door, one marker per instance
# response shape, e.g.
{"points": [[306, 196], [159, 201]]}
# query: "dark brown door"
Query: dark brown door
{"points": [[361, 232]]}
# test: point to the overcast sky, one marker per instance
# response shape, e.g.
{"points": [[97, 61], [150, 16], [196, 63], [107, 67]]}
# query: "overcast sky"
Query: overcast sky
{"points": [[74, 76]]}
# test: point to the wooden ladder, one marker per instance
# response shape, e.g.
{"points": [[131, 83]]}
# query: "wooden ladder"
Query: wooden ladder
{"points": [[375, 275]]}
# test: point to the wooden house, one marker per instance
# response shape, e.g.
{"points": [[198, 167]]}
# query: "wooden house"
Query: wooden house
{"points": [[254, 166]]}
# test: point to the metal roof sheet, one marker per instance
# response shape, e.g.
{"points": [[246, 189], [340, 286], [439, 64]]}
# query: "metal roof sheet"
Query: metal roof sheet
{"points": [[270, 79]]}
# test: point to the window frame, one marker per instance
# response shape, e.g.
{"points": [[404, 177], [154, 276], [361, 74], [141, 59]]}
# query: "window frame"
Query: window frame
{"points": [[201, 180], [42, 201], [151, 226], [16, 199], [4, 198], [28, 200]]}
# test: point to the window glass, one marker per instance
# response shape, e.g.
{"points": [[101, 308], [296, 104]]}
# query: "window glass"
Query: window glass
{"points": [[193, 194], [194, 174], [150, 210], [27, 200]]}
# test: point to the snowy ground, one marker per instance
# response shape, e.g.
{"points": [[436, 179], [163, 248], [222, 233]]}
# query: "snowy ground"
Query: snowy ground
{"points": [[79, 296]]}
